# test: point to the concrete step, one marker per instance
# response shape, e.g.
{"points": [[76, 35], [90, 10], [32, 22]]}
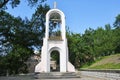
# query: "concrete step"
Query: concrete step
{"points": [[56, 75]]}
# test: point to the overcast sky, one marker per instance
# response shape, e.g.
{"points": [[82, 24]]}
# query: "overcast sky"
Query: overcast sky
{"points": [[80, 14]]}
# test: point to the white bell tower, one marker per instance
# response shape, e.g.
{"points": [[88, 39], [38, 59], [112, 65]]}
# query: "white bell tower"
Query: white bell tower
{"points": [[53, 42]]}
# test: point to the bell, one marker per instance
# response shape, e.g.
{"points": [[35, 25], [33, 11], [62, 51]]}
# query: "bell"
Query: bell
{"points": [[54, 23]]}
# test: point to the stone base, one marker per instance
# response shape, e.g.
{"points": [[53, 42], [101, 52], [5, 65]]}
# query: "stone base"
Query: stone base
{"points": [[40, 67], [71, 68], [56, 75]]}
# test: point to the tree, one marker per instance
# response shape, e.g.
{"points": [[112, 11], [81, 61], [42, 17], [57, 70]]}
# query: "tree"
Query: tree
{"points": [[26, 32], [74, 46], [15, 60], [19, 37], [109, 40], [7, 26], [88, 47], [14, 3], [10, 28], [117, 22], [117, 33], [37, 23]]}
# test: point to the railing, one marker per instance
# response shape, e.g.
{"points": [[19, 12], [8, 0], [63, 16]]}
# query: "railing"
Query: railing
{"points": [[56, 38]]}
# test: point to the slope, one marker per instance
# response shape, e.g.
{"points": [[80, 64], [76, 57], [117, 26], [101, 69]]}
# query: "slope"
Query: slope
{"points": [[107, 62]]}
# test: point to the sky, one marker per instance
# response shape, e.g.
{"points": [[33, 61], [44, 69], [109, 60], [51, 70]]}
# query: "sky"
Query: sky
{"points": [[80, 14]]}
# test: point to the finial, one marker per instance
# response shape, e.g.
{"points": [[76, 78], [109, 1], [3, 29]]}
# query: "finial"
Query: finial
{"points": [[55, 5]]}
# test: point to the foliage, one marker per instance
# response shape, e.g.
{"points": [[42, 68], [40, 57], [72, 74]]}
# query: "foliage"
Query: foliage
{"points": [[18, 38], [15, 3], [56, 56], [14, 62], [117, 33], [74, 46], [117, 22], [93, 44], [37, 23]]}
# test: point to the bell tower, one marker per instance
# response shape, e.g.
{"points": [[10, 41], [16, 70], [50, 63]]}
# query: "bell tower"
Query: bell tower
{"points": [[55, 40]]}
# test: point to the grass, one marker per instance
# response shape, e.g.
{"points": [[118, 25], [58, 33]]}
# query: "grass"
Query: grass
{"points": [[87, 65], [107, 66], [107, 62]]}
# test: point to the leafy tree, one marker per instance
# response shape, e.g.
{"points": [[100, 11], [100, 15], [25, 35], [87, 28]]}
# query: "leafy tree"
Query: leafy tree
{"points": [[37, 23], [11, 33], [117, 22], [19, 37], [24, 32], [104, 41], [14, 3], [7, 26], [93, 44], [109, 40], [75, 46], [117, 33], [15, 60], [88, 47]]}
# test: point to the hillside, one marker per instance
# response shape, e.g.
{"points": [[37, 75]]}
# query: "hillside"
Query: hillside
{"points": [[107, 62]]}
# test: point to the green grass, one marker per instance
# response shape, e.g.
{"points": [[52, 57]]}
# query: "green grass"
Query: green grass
{"points": [[88, 65], [107, 66], [107, 62]]}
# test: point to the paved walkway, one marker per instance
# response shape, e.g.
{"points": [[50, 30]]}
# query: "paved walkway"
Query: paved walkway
{"points": [[84, 75], [103, 75], [31, 78]]}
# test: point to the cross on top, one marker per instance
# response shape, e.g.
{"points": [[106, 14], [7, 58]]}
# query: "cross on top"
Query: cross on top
{"points": [[55, 5]]}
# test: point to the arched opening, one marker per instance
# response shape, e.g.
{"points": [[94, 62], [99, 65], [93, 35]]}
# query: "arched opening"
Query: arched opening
{"points": [[55, 26], [55, 61]]}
